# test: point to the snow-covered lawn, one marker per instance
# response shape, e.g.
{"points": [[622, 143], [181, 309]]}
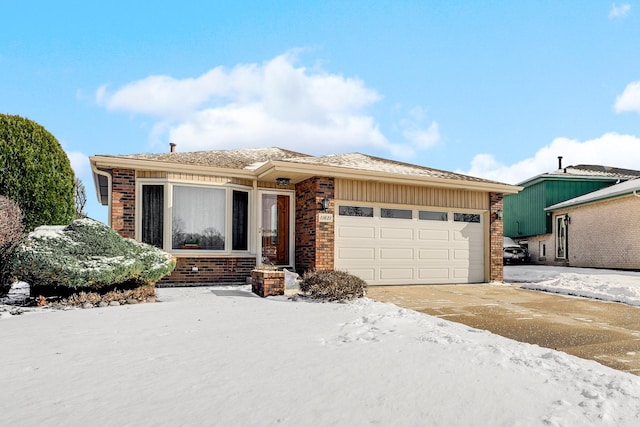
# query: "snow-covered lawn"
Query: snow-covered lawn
{"points": [[221, 356]]}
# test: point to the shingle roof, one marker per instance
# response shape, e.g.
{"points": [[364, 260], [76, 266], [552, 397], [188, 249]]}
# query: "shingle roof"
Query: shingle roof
{"points": [[358, 161], [232, 159], [586, 171], [253, 158]]}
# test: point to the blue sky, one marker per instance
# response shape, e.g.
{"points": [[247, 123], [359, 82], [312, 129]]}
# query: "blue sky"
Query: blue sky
{"points": [[496, 89]]}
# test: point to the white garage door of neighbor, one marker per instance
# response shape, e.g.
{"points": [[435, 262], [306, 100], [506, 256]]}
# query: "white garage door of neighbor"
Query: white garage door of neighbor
{"points": [[396, 246]]}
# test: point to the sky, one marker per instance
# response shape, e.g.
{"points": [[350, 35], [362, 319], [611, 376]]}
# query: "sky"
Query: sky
{"points": [[198, 357], [493, 89]]}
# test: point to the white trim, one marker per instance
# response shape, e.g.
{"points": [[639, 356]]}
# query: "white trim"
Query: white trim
{"points": [[292, 223], [169, 185]]}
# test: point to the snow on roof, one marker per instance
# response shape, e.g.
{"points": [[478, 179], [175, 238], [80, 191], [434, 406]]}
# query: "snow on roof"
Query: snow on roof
{"points": [[621, 189]]}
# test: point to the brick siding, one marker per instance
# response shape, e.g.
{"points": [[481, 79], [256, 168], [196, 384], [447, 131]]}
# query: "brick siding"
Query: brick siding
{"points": [[496, 233], [605, 234], [267, 283], [315, 241], [123, 202], [211, 271]]}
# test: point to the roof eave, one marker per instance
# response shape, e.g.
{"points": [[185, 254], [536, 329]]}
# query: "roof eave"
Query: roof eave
{"points": [[304, 171]]}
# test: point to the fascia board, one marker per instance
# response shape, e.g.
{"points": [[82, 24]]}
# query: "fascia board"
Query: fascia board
{"points": [[107, 162], [366, 175]]}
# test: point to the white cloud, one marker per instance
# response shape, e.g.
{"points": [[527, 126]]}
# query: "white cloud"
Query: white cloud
{"points": [[630, 98], [276, 103], [619, 11], [80, 164], [610, 149]]}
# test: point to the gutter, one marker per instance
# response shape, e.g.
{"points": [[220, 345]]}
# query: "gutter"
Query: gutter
{"points": [[97, 172]]}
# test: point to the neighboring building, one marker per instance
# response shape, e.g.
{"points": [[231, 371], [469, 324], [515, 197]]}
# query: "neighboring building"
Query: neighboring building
{"points": [[222, 213], [600, 229], [526, 218]]}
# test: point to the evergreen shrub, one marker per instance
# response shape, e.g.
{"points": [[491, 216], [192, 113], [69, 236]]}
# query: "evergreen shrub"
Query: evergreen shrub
{"points": [[36, 173]]}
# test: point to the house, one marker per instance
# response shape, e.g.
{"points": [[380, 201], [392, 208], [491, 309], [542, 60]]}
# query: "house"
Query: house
{"points": [[527, 218], [222, 213], [600, 229]]}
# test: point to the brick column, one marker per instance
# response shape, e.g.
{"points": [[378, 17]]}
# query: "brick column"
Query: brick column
{"points": [[315, 240], [123, 200], [496, 237]]}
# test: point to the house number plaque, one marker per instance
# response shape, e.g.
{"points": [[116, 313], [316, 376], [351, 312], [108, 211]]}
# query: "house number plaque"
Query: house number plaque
{"points": [[325, 217]]}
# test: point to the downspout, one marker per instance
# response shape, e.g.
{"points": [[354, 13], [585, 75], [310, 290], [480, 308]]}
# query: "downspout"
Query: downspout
{"points": [[635, 193], [256, 221], [97, 171]]}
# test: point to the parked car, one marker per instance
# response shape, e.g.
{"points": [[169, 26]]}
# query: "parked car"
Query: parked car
{"points": [[513, 252]]}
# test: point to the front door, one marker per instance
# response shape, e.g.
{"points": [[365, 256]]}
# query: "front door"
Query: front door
{"points": [[561, 237], [275, 218]]}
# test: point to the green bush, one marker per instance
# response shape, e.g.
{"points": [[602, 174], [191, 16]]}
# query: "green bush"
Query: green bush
{"points": [[86, 256], [333, 285], [36, 173]]}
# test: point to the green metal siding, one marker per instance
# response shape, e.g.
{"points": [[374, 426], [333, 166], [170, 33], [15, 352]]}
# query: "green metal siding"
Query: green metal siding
{"points": [[524, 213]]}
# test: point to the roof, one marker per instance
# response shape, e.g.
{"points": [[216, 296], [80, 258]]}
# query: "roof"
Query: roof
{"points": [[232, 159], [270, 164], [595, 172], [624, 188]]}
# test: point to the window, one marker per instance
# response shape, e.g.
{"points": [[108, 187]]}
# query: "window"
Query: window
{"points": [[466, 217], [153, 214], [433, 216], [356, 211], [396, 213], [199, 218], [240, 220]]}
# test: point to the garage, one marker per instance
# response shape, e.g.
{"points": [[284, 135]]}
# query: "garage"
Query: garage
{"points": [[391, 245]]}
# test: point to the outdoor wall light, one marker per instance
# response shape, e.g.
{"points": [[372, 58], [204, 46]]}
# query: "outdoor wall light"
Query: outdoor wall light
{"points": [[567, 219], [283, 182], [497, 215], [324, 203]]}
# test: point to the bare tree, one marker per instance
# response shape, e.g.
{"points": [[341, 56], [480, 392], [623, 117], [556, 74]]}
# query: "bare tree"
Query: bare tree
{"points": [[81, 198]]}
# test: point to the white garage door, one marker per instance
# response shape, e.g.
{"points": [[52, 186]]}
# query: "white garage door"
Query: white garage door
{"points": [[396, 246]]}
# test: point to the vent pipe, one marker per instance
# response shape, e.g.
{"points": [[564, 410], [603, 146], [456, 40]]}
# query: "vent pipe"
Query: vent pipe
{"points": [[172, 147], [559, 162]]}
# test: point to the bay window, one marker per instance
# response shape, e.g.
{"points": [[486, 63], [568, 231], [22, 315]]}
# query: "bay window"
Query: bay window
{"points": [[195, 218]]}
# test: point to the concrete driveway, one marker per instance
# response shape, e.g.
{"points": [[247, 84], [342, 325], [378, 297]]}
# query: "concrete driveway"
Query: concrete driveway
{"points": [[606, 332]]}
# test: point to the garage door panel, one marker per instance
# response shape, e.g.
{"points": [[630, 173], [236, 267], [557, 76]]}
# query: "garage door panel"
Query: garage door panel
{"points": [[433, 254], [433, 275], [437, 235], [396, 233], [357, 253], [396, 273], [357, 232], [396, 254]]}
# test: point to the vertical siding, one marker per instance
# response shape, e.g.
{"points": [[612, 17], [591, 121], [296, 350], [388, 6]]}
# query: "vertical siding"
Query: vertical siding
{"points": [[375, 192], [524, 212]]}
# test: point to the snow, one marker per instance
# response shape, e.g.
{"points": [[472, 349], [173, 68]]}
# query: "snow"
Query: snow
{"points": [[223, 356]]}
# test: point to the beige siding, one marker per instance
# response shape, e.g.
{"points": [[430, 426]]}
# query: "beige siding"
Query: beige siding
{"points": [[209, 179], [605, 234], [375, 192]]}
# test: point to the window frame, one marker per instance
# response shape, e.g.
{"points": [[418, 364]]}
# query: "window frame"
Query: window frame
{"points": [[168, 216]]}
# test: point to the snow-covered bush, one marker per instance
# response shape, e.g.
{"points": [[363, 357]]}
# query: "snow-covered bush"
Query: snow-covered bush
{"points": [[333, 285], [11, 229], [86, 256]]}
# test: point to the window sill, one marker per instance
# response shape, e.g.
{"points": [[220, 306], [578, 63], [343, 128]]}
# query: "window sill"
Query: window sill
{"points": [[186, 253]]}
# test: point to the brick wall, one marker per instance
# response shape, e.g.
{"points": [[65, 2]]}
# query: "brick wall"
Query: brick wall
{"points": [[496, 233], [315, 241], [123, 201], [605, 234], [211, 270]]}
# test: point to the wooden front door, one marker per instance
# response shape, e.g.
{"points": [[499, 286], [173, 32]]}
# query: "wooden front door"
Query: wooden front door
{"points": [[275, 228]]}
